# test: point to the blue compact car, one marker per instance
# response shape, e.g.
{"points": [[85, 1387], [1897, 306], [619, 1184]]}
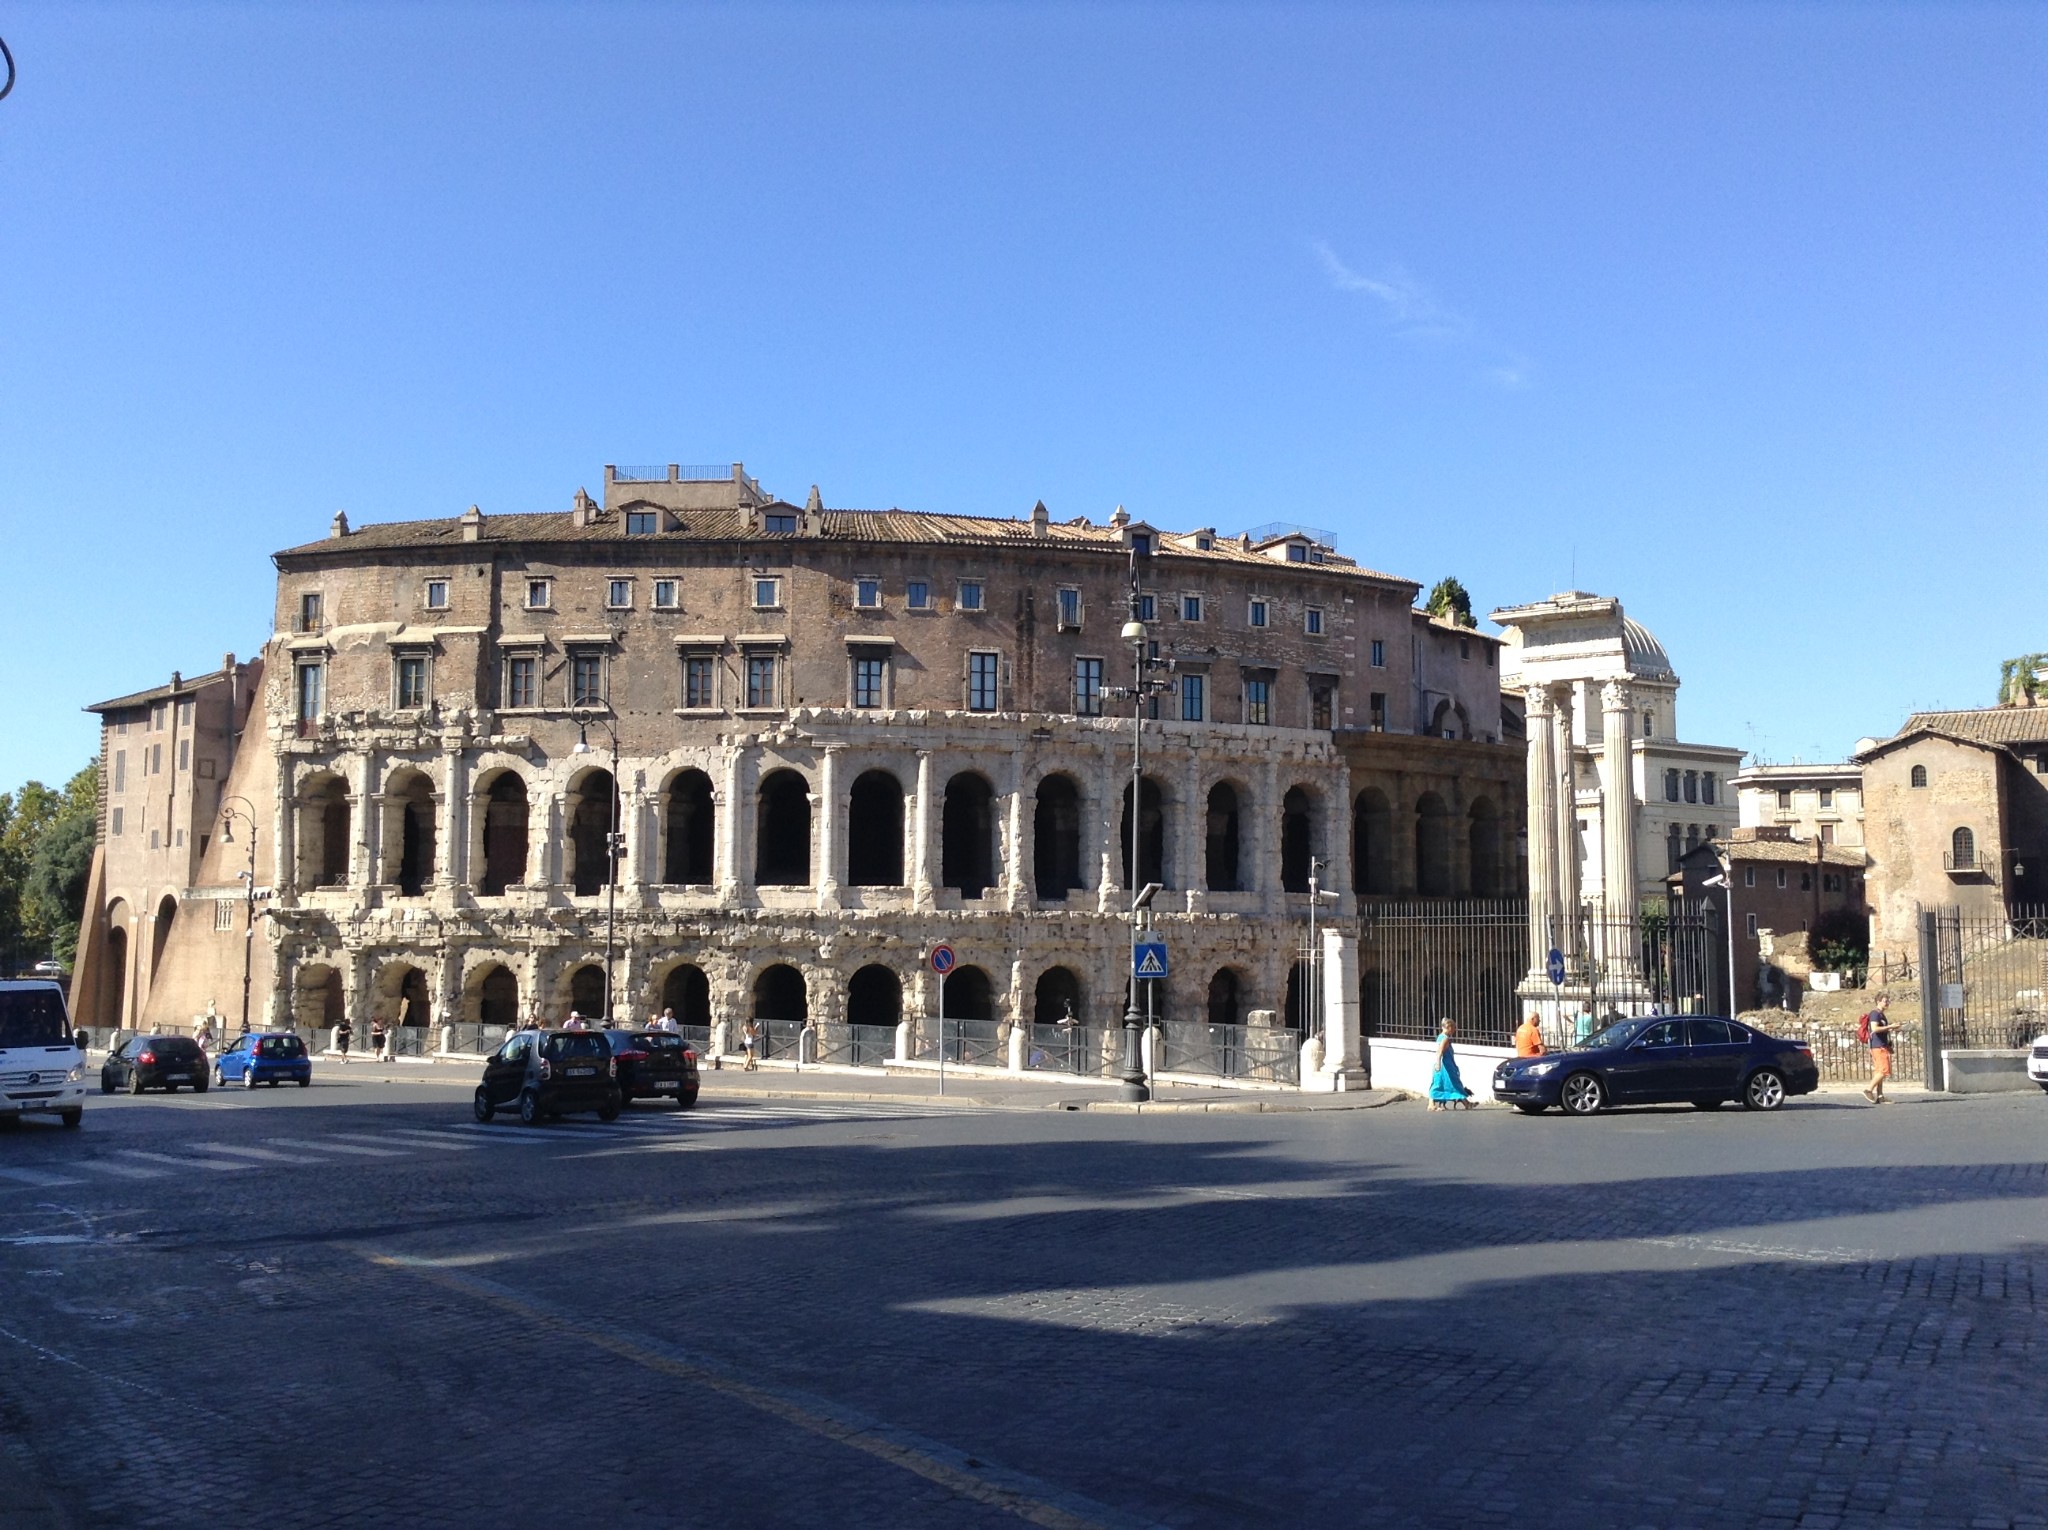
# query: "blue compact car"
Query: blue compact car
{"points": [[1695, 1059], [276, 1057]]}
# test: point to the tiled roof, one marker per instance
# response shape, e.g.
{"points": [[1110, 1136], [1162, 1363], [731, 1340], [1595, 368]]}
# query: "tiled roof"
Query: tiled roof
{"points": [[1988, 725], [186, 686], [875, 526], [1789, 851]]}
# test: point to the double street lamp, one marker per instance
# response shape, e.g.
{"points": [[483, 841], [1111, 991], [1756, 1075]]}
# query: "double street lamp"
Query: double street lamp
{"points": [[614, 851], [247, 813], [1134, 1086]]}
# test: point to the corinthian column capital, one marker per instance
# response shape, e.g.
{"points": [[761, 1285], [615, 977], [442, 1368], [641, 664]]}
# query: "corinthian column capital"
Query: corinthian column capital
{"points": [[1536, 701], [1616, 696]]}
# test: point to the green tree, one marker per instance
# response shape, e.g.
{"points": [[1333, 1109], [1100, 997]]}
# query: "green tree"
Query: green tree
{"points": [[1448, 600], [46, 844]]}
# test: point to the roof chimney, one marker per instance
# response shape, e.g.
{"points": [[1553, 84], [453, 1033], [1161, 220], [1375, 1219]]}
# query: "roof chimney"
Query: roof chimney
{"points": [[580, 508], [1120, 519], [472, 524], [338, 527], [816, 502], [1041, 519]]}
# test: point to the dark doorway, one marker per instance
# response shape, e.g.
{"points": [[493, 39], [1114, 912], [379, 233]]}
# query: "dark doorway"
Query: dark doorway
{"points": [[1297, 840], [874, 831], [1222, 838], [687, 991], [1056, 838], [166, 916], [687, 835], [779, 994], [1058, 997], [504, 835], [593, 807], [1432, 847], [114, 991], [413, 802], [1151, 836], [874, 997], [498, 998], [333, 811], [969, 995], [1226, 998], [968, 858], [1300, 1012], [586, 992], [331, 1007], [415, 1007], [1372, 828], [782, 844]]}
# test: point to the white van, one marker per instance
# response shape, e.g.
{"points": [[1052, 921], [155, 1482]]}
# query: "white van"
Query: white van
{"points": [[42, 1072]]}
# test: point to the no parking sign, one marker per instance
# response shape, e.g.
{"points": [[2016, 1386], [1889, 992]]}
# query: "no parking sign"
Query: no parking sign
{"points": [[942, 959]]}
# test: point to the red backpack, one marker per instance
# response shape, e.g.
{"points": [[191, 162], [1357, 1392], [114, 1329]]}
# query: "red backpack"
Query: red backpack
{"points": [[1863, 1029]]}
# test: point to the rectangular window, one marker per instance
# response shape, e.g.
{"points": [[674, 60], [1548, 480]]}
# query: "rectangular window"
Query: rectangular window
{"points": [[1749, 876], [1376, 714], [1707, 788], [120, 770], [983, 670], [540, 594], [1692, 786], [1070, 610], [1785, 800], [640, 523], [869, 675], [586, 680], [1751, 924], [1781, 877], [1255, 614], [618, 594], [117, 820], [184, 754], [223, 914], [1297, 552], [917, 595], [522, 681], [767, 594], [1312, 621], [437, 594], [1141, 543], [412, 682], [121, 728], [1087, 687], [1379, 654], [1649, 724], [1321, 709], [1148, 608], [1670, 786], [1192, 701], [310, 690], [309, 612], [779, 526], [1258, 702], [970, 594], [1827, 797], [1191, 608], [665, 595], [155, 839], [760, 680], [699, 676], [1465, 649], [867, 594]]}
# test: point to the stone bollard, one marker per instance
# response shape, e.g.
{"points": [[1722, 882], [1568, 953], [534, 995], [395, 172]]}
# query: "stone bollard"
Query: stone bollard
{"points": [[1016, 1058], [447, 1039], [903, 1041], [807, 1045], [1312, 1065]]}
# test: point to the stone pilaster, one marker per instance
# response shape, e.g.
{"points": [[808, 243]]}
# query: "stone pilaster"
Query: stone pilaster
{"points": [[926, 836], [1542, 815], [830, 835], [1564, 823]]}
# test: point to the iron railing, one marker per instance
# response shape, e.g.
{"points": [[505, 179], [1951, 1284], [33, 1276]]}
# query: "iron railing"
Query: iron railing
{"points": [[1252, 1053], [966, 1043], [474, 1040], [781, 1038], [1419, 963], [857, 1046], [660, 472], [1083, 1050]]}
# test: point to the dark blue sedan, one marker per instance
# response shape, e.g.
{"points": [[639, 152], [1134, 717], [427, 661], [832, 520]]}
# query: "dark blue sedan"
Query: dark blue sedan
{"points": [[1695, 1059], [277, 1057]]}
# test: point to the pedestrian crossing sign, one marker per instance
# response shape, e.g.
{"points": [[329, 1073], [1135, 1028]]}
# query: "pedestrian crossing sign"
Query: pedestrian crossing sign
{"points": [[1148, 958]]}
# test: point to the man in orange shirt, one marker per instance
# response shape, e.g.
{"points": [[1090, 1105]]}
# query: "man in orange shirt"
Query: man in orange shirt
{"points": [[1529, 1037]]}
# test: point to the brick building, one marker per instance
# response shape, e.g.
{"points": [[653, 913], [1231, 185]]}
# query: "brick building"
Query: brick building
{"points": [[840, 736], [1776, 886]]}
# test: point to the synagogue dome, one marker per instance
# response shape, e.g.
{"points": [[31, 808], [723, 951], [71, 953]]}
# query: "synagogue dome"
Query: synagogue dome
{"points": [[1645, 655]]}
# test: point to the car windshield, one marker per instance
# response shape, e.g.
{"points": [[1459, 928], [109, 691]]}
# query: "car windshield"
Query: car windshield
{"points": [[278, 1046], [176, 1046], [574, 1044], [33, 1017], [659, 1041], [1619, 1034]]}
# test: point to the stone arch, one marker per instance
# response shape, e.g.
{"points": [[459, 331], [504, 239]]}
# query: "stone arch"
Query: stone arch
{"points": [[409, 838], [401, 994], [160, 934], [780, 993], [1432, 847], [1483, 833], [490, 996], [967, 858], [504, 823], [1151, 835], [1223, 848], [323, 832], [1298, 838], [1372, 843], [582, 987], [688, 826], [874, 996], [1300, 1012], [782, 831], [874, 830], [113, 990], [1226, 997], [970, 995], [1059, 996], [1056, 837], [686, 990], [1450, 720], [589, 810], [318, 1002]]}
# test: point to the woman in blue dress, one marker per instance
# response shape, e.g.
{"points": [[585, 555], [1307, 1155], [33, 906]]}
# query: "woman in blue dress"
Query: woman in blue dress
{"points": [[1445, 1087]]}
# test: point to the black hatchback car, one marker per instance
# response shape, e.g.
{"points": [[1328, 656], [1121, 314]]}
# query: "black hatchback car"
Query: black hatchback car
{"points": [[1697, 1059], [154, 1062], [550, 1073], [654, 1065]]}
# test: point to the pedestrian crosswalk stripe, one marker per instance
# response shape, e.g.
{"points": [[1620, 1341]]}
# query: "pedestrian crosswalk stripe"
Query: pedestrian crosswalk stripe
{"points": [[406, 1134], [183, 1163], [121, 1170], [330, 1145], [37, 1178], [261, 1155]]}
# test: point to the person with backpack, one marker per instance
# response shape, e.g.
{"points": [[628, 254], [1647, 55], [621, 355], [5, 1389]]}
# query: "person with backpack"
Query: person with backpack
{"points": [[1874, 1030]]}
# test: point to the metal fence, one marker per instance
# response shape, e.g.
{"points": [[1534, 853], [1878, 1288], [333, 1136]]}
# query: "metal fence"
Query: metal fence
{"points": [[1990, 972], [780, 1039], [1254, 1053], [1087, 1051], [857, 1046], [474, 1040], [969, 1043], [414, 1040]]}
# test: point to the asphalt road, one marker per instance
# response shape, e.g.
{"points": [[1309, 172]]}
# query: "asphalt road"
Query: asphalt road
{"points": [[348, 1305]]}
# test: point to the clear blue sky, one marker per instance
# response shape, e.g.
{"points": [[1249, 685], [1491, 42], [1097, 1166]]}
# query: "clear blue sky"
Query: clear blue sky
{"points": [[1740, 307]]}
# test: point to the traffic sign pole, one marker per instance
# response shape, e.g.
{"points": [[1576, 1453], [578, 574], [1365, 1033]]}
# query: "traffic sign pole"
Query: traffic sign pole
{"points": [[942, 960]]}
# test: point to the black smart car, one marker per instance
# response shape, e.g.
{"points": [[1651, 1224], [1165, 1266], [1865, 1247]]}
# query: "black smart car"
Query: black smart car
{"points": [[550, 1073], [154, 1062], [1698, 1059], [654, 1065]]}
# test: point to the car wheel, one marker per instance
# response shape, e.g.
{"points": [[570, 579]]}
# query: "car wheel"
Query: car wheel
{"points": [[609, 1110], [71, 1117], [1582, 1095], [306, 1082], [199, 1084], [219, 1077], [1764, 1091], [107, 1082], [249, 1078], [1531, 1109], [530, 1113], [1708, 1104], [685, 1101], [481, 1107], [135, 1083]]}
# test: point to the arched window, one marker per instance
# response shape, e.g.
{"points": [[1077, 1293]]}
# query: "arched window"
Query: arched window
{"points": [[592, 809], [688, 992], [409, 833], [1058, 997], [1432, 847], [504, 835], [1226, 998], [967, 847], [782, 844], [324, 834], [586, 991], [969, 995], [1919, 776], [780, 994], [687, 831], [1297, 840], [1222, 858], [1056, 838], [1963, 850], [1151, 836], [874, 997], [874, 831], [498, 998]]}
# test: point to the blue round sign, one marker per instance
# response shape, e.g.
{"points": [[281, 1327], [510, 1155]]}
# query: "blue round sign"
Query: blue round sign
{"points": [[942, 959], [1555, 966]]}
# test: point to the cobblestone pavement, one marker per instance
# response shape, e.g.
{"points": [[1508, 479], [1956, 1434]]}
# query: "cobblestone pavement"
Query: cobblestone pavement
{"points": [[348, 1305]]}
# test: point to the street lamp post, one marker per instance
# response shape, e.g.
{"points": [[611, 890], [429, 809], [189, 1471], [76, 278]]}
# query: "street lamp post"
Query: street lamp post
{"points": [[613, 852], [1720, 880], [227, 837], [1134, 1085]]}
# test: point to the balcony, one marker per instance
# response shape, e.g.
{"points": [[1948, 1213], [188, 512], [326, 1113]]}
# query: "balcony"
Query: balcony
{"points": [[1966, 866]]}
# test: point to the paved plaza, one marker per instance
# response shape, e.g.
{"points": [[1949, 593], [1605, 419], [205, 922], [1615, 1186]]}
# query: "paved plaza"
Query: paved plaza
{"points": [[349, 1305]]}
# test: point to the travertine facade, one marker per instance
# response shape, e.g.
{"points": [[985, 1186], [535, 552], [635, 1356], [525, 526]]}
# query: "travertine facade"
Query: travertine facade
{"points": [[841, 737], [1823, 802]]}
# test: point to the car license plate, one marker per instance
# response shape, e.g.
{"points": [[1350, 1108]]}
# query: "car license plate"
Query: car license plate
{"points": [[581, 1072], [177, 1078], [667, 1083]]}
